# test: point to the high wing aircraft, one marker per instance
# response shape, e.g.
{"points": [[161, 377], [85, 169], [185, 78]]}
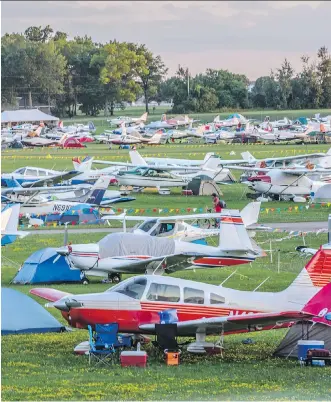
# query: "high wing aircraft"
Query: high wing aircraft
{"points": [[283, 183], [124, 138], [322, 160], [9, 221], [128, 120], [130, 253], [33, 203], [163, 123], [176, 227], [200, 309]]}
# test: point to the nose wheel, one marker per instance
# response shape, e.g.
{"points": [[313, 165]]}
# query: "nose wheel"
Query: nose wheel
{"points": [[114, 278]]}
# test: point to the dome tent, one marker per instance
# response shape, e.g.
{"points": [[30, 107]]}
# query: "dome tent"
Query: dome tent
{"points": [[41, 268], [21, 314]]}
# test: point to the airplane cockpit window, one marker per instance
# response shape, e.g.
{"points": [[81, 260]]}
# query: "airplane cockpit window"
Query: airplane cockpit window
{"points": [[161, 292], [151, 173], [278, 164], [31, 172], [163, 229], [195, 296], [147, 226], [135, 288], [20, 171], [216, 299]]}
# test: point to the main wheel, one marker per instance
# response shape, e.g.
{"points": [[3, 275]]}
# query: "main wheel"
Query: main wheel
{"points": [[85, 281], [116, 278]]}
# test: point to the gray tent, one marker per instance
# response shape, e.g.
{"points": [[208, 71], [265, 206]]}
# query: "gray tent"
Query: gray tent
{"points": [[20, 314], [323, 194], [25, 116], [318, 332]]}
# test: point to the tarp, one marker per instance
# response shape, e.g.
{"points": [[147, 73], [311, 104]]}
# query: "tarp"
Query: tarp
{"points": [[318, 332], [323, 194], [121, 244], [21, 314], [41, 268], [25, 115]]}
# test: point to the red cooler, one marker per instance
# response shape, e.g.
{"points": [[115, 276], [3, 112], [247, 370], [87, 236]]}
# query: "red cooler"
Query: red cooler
{"points": [[133, 358]]}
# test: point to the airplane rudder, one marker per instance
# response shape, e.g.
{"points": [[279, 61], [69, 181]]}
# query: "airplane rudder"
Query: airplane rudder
{"points": [[319, 267]]}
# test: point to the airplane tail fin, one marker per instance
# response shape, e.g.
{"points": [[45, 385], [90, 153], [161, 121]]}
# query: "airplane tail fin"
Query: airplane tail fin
{"points": [[233, 234], [91, 126], [123, 129], [144, 117], [211, 163], [329, 152], [9, 222], [137, 159], [250, 214], [98, 191], [164, 117], [60, 124], [207, 156], [156, 138], [248, 157], [82, 166], [314, 276]]}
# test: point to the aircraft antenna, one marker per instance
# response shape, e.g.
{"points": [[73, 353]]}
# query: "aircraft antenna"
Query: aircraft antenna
{"points": [[329, 229], [228, 277], [261, 284]]}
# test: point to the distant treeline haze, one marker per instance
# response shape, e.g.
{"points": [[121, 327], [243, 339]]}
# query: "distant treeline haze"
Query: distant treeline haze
{"points": [[45, 67]]}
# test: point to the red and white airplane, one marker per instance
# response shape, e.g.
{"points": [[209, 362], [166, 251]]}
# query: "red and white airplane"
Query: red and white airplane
{"points": [[200, 309], [130, 253]]}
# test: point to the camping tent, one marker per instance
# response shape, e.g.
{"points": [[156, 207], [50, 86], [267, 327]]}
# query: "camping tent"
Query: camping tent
{"points": [[41, 268], [323, 194], [203, 186], [21, 314], [318, 332], [25, 115]]}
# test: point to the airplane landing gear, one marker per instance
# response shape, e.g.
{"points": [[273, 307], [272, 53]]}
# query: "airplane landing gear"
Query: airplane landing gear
{"points": [[114, 278], [83, 279]]}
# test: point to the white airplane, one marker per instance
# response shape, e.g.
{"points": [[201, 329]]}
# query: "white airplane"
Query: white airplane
{"points": [[283, 183], [9, 222], [33, 203], [199, 309], [130, 253], [177, 228], [128, 120], [163, 123]]}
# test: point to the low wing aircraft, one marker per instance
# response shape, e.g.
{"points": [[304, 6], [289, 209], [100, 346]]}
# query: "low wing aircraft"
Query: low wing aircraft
{"points": [[200, 309], [9, 221], [130, 253]]}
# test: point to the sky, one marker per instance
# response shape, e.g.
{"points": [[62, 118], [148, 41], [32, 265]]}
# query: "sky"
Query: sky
{"points": [[244, 37]]}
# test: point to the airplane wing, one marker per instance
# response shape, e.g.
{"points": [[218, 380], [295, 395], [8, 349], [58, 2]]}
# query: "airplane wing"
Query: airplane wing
{"points": [[26, 190], [54, 179], [215, 325], [49, 294], [296, 171], [157, 168]]}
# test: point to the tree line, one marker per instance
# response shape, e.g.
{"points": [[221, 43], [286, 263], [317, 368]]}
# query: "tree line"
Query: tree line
{"points": [[46, 66]]}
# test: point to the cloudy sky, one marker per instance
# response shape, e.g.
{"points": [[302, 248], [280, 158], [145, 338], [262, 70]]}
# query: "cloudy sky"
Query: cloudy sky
{"points": [[242, 36]]}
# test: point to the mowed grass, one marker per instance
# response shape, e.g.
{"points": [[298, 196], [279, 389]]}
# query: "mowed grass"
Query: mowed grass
{"points": [[43, 367]]}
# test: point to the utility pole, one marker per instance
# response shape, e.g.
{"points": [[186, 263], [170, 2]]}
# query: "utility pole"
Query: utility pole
{"points": [[188, 83]]}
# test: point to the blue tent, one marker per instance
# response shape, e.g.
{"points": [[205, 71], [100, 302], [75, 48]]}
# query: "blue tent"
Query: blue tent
{"points": [[40, 268], [20, 314]]}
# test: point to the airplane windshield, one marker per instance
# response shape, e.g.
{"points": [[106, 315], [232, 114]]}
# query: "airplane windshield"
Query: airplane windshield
{"points": [[147, 226], [133, 288]]}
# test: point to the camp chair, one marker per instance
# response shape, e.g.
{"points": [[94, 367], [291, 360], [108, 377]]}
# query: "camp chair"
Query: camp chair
{"points": [[102, 342]]}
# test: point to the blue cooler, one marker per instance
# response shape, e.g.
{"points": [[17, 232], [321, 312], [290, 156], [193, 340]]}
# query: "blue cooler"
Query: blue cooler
{"points": [[304, 345]]}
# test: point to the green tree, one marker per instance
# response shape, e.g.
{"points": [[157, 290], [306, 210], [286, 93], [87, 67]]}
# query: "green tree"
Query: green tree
{"points": [[38, 34], [324, 76], [284, 76], [149, 70]]}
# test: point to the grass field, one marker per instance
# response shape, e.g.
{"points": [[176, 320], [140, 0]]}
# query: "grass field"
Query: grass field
{"points": [[43, 367]]}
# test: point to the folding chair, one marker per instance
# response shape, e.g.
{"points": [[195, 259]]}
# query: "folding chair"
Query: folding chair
{"points": [[102, 342]]}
